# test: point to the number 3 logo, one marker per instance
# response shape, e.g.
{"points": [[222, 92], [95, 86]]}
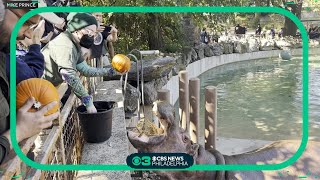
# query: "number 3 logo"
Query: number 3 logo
{"points": [[146, 161]]}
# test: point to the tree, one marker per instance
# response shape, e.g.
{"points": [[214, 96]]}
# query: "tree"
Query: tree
{"points": [[290, 28], [154, 31], [153, 28], [257, 16], [164, 31]]}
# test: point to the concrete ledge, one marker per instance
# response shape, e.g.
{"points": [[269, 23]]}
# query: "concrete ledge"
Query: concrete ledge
{"points": [[103, 175], [114, 150], [196, 68], [232, 146]]}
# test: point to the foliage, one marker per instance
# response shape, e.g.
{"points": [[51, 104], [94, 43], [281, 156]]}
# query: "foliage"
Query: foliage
{"points": [[312, 5], [137, 30]]}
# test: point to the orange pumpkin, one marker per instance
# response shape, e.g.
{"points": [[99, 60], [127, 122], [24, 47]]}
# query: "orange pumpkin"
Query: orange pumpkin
{"points": [[43, 92], [121, 63]]}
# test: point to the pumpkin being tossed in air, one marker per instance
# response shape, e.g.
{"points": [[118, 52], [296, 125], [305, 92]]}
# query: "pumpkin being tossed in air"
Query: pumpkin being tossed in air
{"points": [[42, 90], [121, 63]]}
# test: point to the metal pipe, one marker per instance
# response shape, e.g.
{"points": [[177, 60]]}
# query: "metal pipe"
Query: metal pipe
{"points": [[142, 83], [142, 79], [121, 79], [141, 53], [137, 67], [210, 117], [150, 52], [125, 85], [194, 98], [123, 90], [125, 82]]}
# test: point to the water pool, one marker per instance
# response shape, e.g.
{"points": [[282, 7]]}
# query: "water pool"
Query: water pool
{"points": [[262, 99]]}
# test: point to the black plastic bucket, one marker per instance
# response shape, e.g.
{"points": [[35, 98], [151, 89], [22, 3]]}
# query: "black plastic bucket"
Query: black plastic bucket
{"points": [[97, 127]]}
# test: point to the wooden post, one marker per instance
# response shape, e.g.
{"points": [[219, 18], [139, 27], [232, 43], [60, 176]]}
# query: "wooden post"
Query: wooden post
{"points": [[194, 90], [210, 117], [164, 95], [184, 100]]}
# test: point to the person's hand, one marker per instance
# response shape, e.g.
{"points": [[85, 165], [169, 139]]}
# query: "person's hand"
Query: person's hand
{"points": [[31, 123], [86, 53], [113, 37], [113, 30], [38, 32], [91, 109], [100, 28], [60, 26], [47, 38]]}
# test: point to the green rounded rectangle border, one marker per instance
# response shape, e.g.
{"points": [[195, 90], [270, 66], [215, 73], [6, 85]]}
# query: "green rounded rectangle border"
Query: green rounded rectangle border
{"points": [[162, 9]]}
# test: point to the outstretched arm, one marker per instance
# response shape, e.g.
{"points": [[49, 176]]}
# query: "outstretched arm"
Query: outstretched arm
{"points": [[74, 81], [108, 45], [89, 71]]}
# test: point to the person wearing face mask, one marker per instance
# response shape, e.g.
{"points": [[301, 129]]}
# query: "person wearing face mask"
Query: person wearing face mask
{"points": [[64, 57]]}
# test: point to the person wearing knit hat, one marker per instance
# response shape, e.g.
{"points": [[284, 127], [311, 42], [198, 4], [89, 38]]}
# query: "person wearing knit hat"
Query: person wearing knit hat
{"points": [[76, 21], [64, 57]]}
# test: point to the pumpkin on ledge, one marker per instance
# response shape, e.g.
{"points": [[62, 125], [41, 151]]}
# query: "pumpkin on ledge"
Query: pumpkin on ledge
{"points": [[121, 63], [42, 90]]}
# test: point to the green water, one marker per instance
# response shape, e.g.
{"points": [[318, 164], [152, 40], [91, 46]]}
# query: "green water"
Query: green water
{"points": [[262, 99]]}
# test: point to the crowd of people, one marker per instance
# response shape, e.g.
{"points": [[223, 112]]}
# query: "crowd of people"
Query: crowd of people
{"points": [[207, 38], [55, 52], [241, 30], [272, 32]]}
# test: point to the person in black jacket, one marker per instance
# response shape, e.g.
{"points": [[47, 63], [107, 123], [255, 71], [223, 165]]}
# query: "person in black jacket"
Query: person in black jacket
{"points": [[109, 35], [237, 29], [30, 61], [204, 37], [28, 124], [272, 32], [281, 33], [258, 30], [243, 29]]}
